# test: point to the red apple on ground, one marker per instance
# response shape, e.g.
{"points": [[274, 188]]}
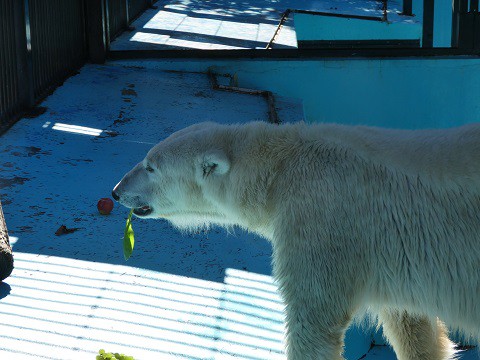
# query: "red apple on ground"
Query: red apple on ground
{"points": [[105, 206]]}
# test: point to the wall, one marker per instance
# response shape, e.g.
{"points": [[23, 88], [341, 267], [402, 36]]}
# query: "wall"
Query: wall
{"points": [[317, 27], [399, 93]]}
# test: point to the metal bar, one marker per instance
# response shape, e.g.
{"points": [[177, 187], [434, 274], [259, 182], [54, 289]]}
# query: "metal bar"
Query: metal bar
{"points": [[9, 99], [28, 53], [455, 22], [96, 26], [3, 102], [384, 10], [272, 110], [428, 16], [462, 11], [280, 24], [268, 95], [4, 105], [84, 24], [239, 90], [466, 24], [303, 54], [466, 31], [106, 23], [476, 31], [7, 61], [127, 13], [320, 13], [24, 67], [407, 8], [474, 5]]}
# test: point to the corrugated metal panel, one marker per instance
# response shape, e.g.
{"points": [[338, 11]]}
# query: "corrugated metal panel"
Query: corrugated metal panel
{"points": [[117, 16], [10, 97], [58, 41], [136, 7]]}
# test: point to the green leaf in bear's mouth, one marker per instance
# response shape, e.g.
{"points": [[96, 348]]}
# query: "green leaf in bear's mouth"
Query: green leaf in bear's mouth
{"points": [[128, 238]]}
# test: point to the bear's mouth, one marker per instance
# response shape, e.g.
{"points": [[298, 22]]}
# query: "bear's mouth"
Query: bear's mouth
{"points": [[143, 211]]}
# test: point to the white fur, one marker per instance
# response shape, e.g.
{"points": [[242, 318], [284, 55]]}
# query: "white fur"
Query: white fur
{"points": [[359, 218]]}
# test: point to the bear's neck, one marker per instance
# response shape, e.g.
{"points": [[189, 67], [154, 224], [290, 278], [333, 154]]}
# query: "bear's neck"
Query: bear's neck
{"points": [[261, 157]]}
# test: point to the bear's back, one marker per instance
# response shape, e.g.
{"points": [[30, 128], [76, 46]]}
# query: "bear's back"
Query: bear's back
{"points": [[446, 156]]}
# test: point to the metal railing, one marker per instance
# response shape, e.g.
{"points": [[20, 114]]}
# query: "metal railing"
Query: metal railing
{"points": [[42, 42], [58, 43], [466, 24], [118, 16], [12, 97], [135, 8]]}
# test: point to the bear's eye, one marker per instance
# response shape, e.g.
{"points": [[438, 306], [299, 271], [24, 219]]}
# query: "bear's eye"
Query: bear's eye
{"points": [[149, 168]]}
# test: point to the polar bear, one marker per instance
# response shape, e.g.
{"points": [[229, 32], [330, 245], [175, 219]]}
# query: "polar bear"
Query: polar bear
{"points": [[361, 219]]}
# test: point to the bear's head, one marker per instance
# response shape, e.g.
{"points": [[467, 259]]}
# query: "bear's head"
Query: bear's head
{"points": [[176, 178]]}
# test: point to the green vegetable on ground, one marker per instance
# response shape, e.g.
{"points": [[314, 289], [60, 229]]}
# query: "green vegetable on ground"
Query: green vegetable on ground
{"points": [[102, 355], [128, 238]]}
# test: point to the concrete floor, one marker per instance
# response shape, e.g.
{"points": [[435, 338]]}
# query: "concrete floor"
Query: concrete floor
{"points": [[219, 24], [207, 25], [200, 296], [181, 296], [197, 296]]}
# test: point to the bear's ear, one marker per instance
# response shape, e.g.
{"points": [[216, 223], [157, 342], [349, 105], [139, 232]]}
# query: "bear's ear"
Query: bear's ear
{"points": [[214, 163]]}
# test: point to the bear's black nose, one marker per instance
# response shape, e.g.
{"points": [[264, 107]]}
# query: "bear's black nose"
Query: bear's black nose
{"points": [[115, 196]]}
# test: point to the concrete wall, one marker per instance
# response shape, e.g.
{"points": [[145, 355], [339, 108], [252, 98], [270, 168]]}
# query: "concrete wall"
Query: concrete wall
{"points": [[317, 27], [400, 93]]}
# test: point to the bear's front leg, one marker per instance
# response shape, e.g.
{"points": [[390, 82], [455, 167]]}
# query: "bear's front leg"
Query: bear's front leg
{"points": [[319, 296], [315, 333]]}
